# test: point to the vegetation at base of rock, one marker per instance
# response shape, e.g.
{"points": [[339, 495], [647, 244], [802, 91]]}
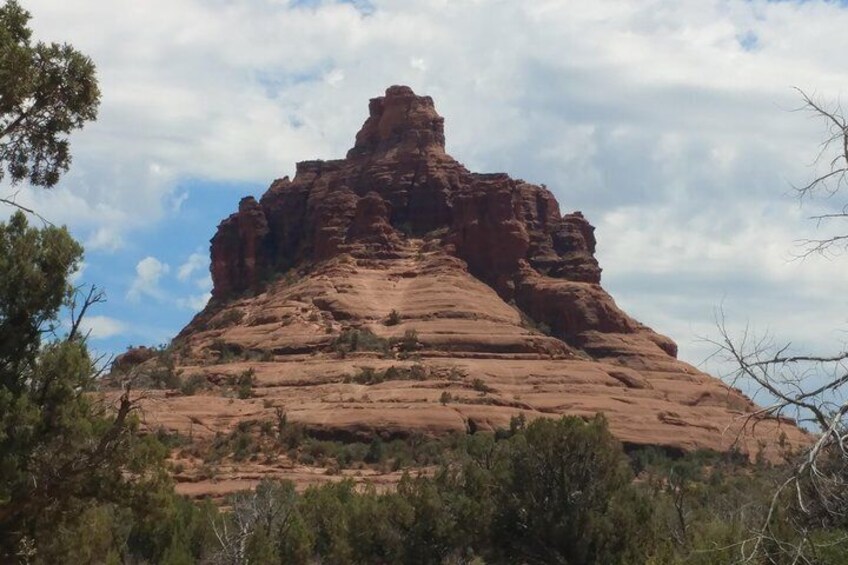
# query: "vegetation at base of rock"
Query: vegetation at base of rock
{"points": [[282, 438], [353, 340], [587, 503]]}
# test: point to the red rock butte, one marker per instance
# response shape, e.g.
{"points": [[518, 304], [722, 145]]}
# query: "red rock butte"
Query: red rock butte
{"points": [[465, 298]]}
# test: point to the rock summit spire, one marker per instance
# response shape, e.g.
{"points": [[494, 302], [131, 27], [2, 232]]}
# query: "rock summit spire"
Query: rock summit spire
{"points": [[400, 121]]}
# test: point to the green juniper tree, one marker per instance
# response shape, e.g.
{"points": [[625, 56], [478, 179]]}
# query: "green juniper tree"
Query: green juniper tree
{"points": [[75, 474], [46, 92], [66, 455]]}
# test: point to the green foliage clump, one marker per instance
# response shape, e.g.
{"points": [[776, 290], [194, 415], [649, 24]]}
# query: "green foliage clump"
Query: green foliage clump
{"points": [[394, 318], [369, 376], [478, 508], [352, 340], [244, 384], [227, 319], [47, 90], [372, 376], [191, 385], [409, 342], [549, 491], [64, 453], [289, 435], [580, 507], [227, 352], [480, 386]]}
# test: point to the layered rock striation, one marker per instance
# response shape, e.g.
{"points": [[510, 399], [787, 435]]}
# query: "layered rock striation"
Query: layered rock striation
{"points": [[398, 261]]}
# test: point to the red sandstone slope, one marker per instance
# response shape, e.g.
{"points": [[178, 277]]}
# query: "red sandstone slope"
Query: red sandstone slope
{"points": [[498, 299]]}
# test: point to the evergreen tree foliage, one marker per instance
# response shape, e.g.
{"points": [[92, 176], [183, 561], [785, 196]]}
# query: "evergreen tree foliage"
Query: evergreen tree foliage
{"points": [[68, 458], [564, 494], [47, 90]]}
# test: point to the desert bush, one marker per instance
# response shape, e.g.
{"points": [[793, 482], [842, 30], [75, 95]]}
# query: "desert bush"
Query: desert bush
{"points": [[226, 352], [480, 386], [227, 319], [580, 507], [369, 376], [244, 384], [394, 318], [190, 386], [352, 340], [409, 342]]}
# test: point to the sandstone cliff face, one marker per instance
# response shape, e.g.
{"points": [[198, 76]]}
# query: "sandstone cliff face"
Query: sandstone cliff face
{"points": [[397, 183], [476, 283]]}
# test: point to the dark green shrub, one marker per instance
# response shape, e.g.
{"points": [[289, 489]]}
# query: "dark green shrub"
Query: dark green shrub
{"points": [[579, 507], [191, 385], [244, 384], [289, 435], [409, 342], [227, 319], [352, 340], [394, 318], [376, 452], [368, 376], [480, 386], [226, 352]]}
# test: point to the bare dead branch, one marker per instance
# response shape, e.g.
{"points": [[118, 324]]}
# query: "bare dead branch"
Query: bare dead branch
{"points": [[834, 148], [10, 201], [92, 297]]}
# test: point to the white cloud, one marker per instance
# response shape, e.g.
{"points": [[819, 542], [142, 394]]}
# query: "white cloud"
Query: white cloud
{"points": [[195, 302], [148, 271], [204, 283], [101, 327], [105, 239], [334, 78], [195, 262], [77, 275], [665, 122]]}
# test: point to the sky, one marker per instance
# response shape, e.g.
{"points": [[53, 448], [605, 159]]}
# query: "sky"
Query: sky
{"points": [[668, 123]]}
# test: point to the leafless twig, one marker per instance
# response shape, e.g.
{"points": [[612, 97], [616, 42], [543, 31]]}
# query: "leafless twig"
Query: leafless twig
{"points": [[10, 201], [78, 311], [818, 481], [834, 151]]}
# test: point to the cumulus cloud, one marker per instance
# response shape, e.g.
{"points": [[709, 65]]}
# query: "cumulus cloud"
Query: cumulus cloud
{"points": [[195, 302], [195, 262], [105, 238], [666, 122], [102, 327], [148, 273], [78, 274], [204, 283]]}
